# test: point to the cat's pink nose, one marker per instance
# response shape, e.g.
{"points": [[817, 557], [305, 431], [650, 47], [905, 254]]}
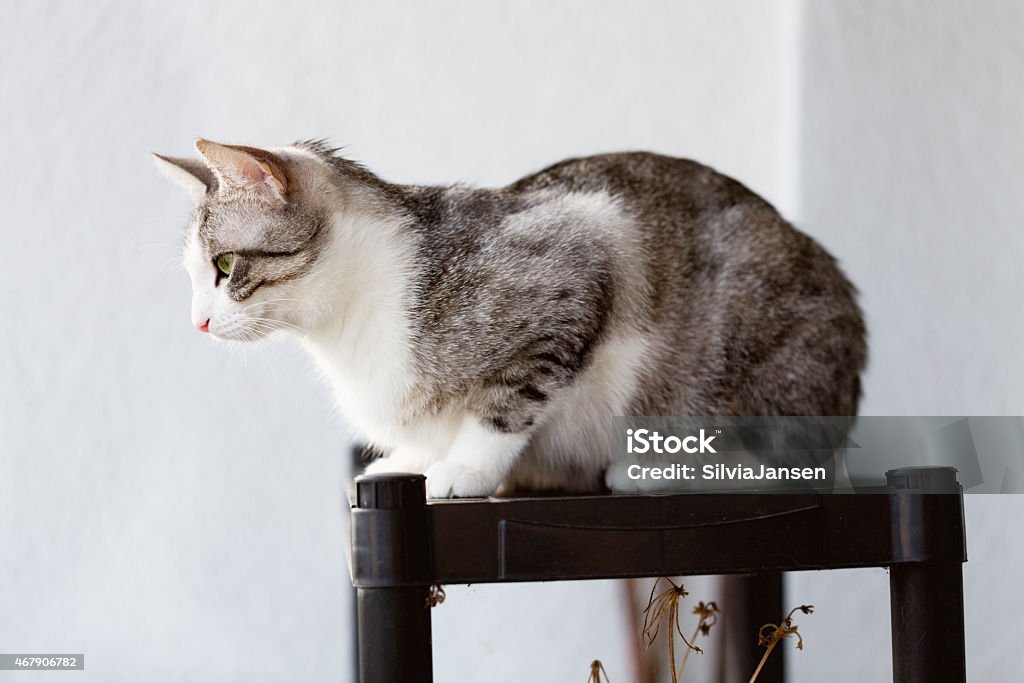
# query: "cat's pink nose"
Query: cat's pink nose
{"points": [[203, 327]]}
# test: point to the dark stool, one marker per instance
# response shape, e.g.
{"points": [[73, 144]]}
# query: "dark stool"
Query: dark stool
{"points": [[402, 545]]}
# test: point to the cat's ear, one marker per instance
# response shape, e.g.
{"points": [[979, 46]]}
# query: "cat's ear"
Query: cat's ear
{"points": [[246, 169], [192, 174]]}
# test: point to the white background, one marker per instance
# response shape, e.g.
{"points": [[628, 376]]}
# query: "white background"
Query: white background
{"points": [[174, 509]]}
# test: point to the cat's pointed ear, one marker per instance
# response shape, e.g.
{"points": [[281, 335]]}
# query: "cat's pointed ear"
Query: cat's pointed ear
{"points": [[246, 169], [192, 174]]}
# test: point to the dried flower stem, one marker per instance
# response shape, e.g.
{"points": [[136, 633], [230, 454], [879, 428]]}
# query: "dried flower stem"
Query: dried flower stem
{"points": [[708, 613], [666, 605], [596, 670]]}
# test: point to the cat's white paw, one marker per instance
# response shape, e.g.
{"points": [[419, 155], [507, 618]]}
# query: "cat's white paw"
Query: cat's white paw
{"points": [[452, 479], [396, 463]]}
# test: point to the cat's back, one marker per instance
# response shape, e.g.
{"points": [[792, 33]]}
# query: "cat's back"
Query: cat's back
{"points": [[685, 215], [642, 180], [696, 228]]}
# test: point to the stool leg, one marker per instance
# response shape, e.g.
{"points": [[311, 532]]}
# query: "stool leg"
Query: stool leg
{"points": [[751, 602], [394, 635], [390, 551], [927, 604]]}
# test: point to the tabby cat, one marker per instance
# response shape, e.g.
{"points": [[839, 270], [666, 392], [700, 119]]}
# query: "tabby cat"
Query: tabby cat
{"points": [[486, 337]]}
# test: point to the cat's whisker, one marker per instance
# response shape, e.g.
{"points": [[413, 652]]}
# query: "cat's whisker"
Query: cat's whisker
{"points": [[276, 299], [235, 348], [278, 324], [240, 315], [274, 363], [175, 264], [252, 329], [158, 245], [251, 322]]}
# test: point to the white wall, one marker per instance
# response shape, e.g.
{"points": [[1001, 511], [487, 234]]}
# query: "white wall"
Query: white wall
{"points": [[173, 510], [911, 171]]}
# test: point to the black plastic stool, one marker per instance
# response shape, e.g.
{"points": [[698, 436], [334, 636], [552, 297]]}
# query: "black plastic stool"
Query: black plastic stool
{"points": [[402, 545]]}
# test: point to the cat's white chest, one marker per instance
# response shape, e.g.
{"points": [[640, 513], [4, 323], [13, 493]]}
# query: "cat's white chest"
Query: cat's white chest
{"points": [[370, 386]]}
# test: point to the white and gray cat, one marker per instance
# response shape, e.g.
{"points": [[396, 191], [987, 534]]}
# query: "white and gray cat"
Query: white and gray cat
{"points": [[486, 337]]}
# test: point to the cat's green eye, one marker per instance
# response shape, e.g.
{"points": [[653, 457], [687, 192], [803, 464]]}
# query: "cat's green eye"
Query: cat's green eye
{"points": [[225, 262]]}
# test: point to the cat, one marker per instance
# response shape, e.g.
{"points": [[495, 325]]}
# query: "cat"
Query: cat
{"points": [[486, 337]]}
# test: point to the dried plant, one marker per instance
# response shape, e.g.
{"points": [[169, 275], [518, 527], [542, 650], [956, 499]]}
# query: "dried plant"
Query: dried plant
{"points": [[708, 616], [661, 607], [597, 672], [435, 596], [769, 635]]}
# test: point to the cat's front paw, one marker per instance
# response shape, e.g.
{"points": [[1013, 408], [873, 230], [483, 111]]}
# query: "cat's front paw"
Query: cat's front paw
{"points": [[451, 479], [399, 462]]}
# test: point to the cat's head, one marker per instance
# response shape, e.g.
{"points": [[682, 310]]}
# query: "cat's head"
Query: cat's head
{"points": [[257, 236]]}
